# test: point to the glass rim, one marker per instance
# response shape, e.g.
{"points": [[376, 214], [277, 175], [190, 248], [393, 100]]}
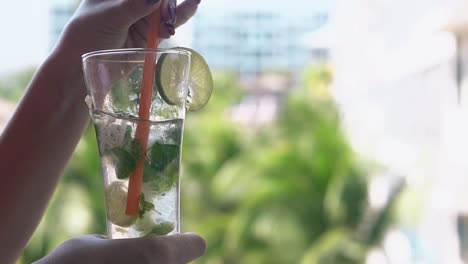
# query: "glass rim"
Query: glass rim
{"points": [[98, 53]]}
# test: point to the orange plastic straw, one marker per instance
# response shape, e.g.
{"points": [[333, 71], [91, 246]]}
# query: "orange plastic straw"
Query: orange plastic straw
{"points": [[142, 130]]}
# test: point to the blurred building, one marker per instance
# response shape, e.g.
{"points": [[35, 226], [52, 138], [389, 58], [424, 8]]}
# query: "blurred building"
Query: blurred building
{"points": [[262, 41], [318, 43], [458, 25], [250, 37], [60, 13], [399, 79]]}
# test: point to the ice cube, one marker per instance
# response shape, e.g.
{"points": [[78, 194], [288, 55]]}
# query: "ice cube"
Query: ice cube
{"points": [[89, 101]]}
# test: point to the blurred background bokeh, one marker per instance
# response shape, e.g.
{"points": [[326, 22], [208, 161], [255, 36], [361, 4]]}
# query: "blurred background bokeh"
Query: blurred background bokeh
{"points": [[336, 133]]}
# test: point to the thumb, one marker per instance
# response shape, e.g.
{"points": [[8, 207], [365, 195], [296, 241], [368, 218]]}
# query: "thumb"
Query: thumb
{"points": [[179, 248], [130, 11]]}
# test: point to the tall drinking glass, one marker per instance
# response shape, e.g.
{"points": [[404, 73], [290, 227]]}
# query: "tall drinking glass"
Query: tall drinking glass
{"points": [[114, 80]]}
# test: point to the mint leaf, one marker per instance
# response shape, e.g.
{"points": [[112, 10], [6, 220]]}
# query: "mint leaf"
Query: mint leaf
{"points": [[144, 206], [162, 229], [128, 132], [150, 173], [160, 155], [175, 134], [162, 183], [125, 159], [136, 149], [124, 162], [162, 165]]}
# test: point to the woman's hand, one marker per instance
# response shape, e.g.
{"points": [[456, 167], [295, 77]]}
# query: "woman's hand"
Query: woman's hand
{"points": [[175, 249], [48, 123], [113, 24]]}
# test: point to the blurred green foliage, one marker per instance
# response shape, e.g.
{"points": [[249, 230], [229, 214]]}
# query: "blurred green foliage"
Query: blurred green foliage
{"points": [[77, 206], [286, 192], [12, 86], [269, 195]]}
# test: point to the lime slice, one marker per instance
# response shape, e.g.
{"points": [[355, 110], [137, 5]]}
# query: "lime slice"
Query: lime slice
{"points": [[167, 82], [200, 80], [116, 202]]}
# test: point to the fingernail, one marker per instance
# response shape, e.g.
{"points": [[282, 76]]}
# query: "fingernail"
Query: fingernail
{"points": [[152, 1], [172, 8], [170, 27]]}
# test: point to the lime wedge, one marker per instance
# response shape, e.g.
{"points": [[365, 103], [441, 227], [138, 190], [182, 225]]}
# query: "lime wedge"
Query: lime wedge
{"points": [[200, 80], [116, 202]]}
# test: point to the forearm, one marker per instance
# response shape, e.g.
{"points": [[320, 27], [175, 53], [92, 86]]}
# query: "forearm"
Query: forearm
{"points": [[37, 144]]}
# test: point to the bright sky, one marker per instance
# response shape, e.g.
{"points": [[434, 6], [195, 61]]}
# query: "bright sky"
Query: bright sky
{"points": [[25, 33], [24, 30], [296, 6]]}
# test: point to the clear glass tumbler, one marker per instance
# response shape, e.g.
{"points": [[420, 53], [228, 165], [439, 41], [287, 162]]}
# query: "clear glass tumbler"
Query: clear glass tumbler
{"points": [[114, 80]]}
